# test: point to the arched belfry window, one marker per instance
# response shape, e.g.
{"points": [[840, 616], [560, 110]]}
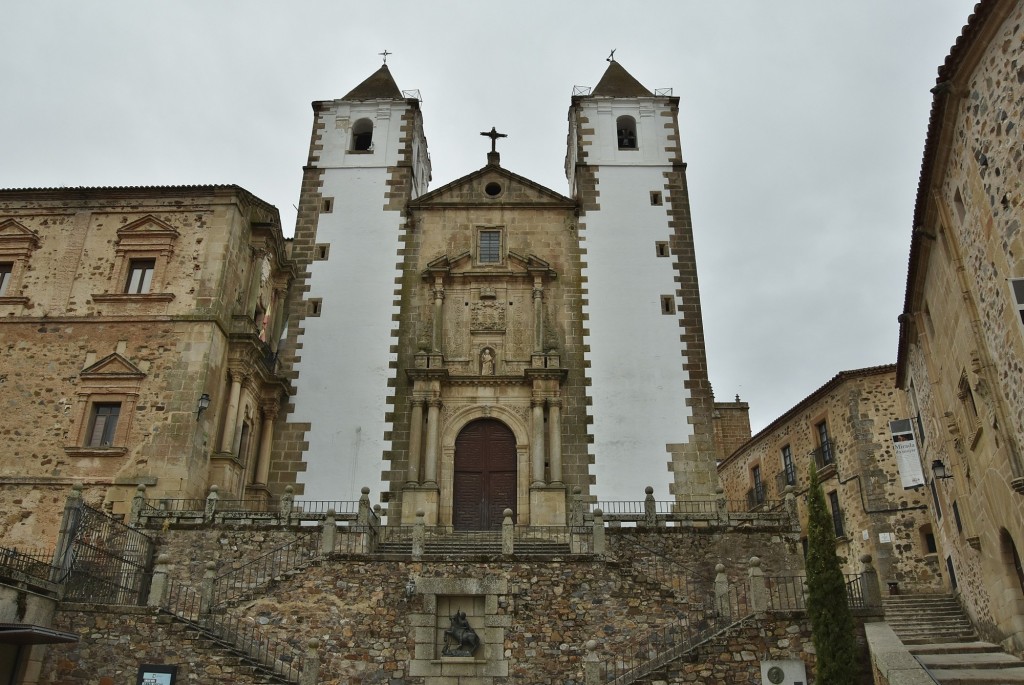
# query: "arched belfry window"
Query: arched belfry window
{"points": [[625, 128], [362, 135]]}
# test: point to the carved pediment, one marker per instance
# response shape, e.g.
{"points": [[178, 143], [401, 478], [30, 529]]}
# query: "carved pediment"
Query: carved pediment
{"points": [[145, 232], [15, 238], [516, 264], [112, 366], [493, 185]]}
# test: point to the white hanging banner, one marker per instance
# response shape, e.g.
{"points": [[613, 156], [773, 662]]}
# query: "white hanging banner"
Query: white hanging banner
{"points": [[908, 461]]}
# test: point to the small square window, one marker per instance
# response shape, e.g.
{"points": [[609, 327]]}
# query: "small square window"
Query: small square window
{"points": [[315, 306], [321, 251], [6, 269], [326, 205], [655, 197], [668, 304], [661, 248], [489, 249], [103, 424], [140, 276]]}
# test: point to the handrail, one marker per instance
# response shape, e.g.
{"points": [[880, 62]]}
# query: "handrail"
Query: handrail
{"points": [[260, 571], [669, 642], [262, 651], [34, 562]]}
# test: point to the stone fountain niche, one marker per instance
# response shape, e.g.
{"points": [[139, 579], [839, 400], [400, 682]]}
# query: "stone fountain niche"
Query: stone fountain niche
{"points": [[437, 599]]}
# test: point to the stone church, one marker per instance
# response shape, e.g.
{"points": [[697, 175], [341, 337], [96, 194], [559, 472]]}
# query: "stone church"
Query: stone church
{"points": [[493, 344]]}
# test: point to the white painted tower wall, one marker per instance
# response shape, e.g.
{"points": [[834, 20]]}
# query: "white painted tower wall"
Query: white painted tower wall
{"points": [[342, 386], [635, 354]]}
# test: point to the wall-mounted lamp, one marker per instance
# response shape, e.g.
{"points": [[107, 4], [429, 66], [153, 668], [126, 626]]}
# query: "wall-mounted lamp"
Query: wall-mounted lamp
{"points": [[204, 404], [940, 471]]}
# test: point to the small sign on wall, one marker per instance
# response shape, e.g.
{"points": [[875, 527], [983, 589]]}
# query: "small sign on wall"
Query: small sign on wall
{"points": [[885, 538], [156, 674]]}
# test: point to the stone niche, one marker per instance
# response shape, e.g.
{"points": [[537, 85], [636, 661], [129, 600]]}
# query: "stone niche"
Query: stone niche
{"points": [[439, 599]]}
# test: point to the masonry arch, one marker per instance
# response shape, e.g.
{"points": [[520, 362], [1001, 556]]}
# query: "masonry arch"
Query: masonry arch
{"points": [[362, 135], [518, 437]]}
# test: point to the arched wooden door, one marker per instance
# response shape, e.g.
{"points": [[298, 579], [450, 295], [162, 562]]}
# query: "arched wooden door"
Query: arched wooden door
{"points": [[485, 475]]}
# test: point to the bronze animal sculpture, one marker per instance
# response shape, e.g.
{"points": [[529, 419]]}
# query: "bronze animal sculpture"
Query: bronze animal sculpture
{"points": [[460, 639]]}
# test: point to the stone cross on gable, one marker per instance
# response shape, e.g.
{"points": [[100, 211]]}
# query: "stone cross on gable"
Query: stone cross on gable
{"points": [[494, 135]]}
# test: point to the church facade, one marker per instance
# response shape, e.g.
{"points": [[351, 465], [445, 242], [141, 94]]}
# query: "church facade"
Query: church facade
{"points": [[488, 333]]}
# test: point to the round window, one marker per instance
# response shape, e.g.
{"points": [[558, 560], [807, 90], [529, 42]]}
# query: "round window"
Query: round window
{"points": [[493, 189]]}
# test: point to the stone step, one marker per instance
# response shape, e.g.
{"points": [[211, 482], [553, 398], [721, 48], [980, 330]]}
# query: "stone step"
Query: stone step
{"points": [[956, 676], [959, 648]]}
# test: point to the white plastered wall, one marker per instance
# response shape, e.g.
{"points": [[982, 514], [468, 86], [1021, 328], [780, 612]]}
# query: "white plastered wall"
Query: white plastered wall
{"points": [[342, 387], [635, 353]]}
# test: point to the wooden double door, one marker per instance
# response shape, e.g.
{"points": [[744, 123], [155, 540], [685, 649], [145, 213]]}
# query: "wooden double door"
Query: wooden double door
{"points": [[485, 475]]}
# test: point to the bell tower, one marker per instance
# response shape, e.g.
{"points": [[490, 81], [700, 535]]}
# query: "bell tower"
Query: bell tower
{"points": [[367, 159], [647, 375]]}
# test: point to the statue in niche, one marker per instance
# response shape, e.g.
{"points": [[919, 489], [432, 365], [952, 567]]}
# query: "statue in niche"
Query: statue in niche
{"points": [[460, 639], [487, 362]]}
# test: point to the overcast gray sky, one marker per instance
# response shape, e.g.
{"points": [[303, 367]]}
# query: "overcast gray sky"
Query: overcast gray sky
{"points": [[803, 124]]}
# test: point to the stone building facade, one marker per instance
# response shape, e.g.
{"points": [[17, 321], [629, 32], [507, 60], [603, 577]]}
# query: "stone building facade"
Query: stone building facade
{"points": [[122, 312], [485, 331], [961, 332], [842, 430]]}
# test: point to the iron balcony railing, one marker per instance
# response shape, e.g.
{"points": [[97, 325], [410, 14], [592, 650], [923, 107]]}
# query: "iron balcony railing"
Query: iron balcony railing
{"points": [[786, 476], [824, 454]]}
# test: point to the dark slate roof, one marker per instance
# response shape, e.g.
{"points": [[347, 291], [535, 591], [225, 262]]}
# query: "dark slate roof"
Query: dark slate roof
{"points": [[379, 86], [619, 83]]}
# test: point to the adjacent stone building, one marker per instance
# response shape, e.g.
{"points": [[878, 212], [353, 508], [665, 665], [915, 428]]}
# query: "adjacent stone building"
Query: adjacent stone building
{"points": [[139, 328], [962, 330], [879, 503]]}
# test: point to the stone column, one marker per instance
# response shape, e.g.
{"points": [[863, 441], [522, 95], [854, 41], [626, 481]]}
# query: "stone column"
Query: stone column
{"points": [[311, 664], [591, 664], [158, 587], [329, 532], [438, 331], [722, 603], [508, 530], [758, 589], [599, 546], [722, 505], [138, 502], [211, 502], [206, 588], [227, 439], [419, 535], [538, 317], [433, 429], [869, 583], [266, 441], [650, 508], [415, 441], [555, 439], [537, 448]]}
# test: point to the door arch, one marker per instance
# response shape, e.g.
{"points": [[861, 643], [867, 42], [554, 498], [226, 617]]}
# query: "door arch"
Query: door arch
{"points": [[484, 483]]}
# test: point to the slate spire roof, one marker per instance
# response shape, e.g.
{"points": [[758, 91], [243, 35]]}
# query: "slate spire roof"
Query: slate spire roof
{"points": [[619, 83], [379, 86]]}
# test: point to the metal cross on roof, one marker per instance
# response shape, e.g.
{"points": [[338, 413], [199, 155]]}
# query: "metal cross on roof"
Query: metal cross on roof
{"points": [[385, 55], [494, 135]]}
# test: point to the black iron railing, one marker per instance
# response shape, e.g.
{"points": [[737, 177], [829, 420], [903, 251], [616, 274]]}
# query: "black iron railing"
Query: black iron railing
{"points": [[259, 572]]}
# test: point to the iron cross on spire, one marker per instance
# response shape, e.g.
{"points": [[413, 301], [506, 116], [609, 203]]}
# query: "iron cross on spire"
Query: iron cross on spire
{"points": [[385, 55], [494, 135]]}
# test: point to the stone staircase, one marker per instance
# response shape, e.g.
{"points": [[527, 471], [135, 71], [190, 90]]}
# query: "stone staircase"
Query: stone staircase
{"points": [[472, 544], [937, 632]]}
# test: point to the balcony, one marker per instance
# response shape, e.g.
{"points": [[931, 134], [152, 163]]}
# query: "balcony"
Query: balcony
{"points": [[785, 477], [824, 458]]}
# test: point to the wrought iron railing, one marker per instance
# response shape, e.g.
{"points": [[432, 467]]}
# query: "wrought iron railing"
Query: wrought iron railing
{"points": [[100, 559], [824, 454], [33, 562], [706, 617], [240, 635], [241, 581]]}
